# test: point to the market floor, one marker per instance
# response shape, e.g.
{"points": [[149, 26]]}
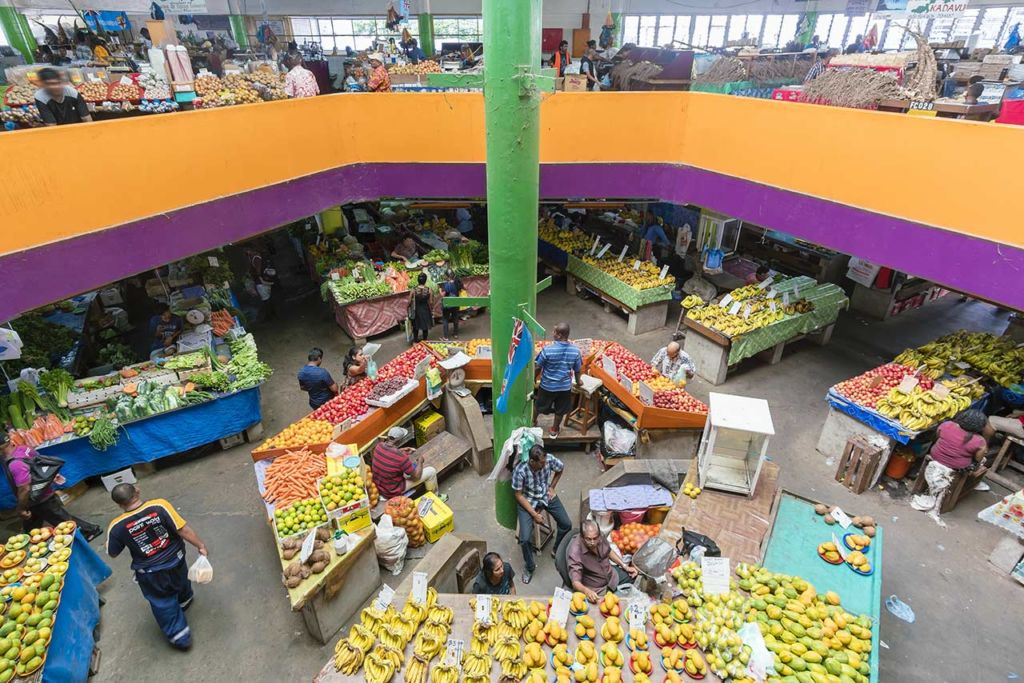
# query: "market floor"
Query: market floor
{"points": [[241, 622]]}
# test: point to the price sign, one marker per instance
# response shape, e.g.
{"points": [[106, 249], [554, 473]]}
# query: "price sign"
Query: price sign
{"points": [[772, 293], [735, 308], [636, 265], [213, 261], [765, 283], [343, 427], [483, 609], [664, 272], [771, 305], [746, 312], [840, 547], [483, 351], [646, 394], [422, 367], [608, 365], [967, 366], [384, 598], [715, 573], [125, 80], [560, 606], [796, 291], [908, 384], [604, 250], [307, 546], [622, 254], [725, 300], [335, 276], [940, 390], [785, 298], [453, 652], [636, 614], [419, 587], [627, 383], [593, 247], [841, 518]]}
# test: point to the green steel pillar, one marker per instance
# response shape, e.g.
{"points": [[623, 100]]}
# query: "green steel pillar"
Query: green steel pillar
{"points": [[512, 111], [16, 28], [238, 31], [426, 26]]}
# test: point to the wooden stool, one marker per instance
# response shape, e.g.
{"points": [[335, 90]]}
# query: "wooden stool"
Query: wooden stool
{"points": [[1003, 456], [963, 483], [542, 533], [584, 414]]}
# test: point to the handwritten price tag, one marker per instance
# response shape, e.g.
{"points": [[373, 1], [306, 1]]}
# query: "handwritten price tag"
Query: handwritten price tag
{"points": [[715, 574], [636, 265], [622, 254], [453, 652], [560, 606], [771, 305], [664, 273], [646, 394], [840, 547], [841, 518], [785, 298], [335, 276], [735, 308], [636, 614], [608, 365], [384, 598], [213, 261], [767, 282], [419, 587], [725, 300], [604, 250], [746, 312], [593, 247], [627, 383], [483, 609]]}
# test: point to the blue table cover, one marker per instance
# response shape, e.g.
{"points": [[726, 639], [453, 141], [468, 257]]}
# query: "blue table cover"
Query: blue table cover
{"points": [[153, 438], [552, 254], [71, 645], [880, 423]]}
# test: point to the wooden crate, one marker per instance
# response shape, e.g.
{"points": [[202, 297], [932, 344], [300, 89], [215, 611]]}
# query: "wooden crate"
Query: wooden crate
{"points": [[858, 465]]}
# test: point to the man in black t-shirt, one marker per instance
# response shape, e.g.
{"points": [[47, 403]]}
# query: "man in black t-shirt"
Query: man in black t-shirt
{"points": [[154, 534], [59, 103]]}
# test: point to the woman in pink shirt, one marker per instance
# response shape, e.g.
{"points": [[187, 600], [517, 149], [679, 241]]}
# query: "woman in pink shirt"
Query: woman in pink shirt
{"points": [[958, 445], [300, 81]]}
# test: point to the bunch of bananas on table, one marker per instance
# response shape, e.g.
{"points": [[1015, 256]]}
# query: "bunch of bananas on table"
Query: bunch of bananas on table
{"points": [[444, 673], [929, 365], [381, 664], [474, 664], [347, 658], [512, 669], [920, 408], [718, 318], [517, 615], [998, 357], [570, 241], [507, 647], [416, 669], [692, 301], [646, 277]]}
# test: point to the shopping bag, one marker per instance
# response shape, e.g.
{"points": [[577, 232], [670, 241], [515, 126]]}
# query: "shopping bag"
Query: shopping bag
{"points": [[408, 331], [201, 570]]}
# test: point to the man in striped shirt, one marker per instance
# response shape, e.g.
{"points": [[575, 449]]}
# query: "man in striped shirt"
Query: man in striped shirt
{"points": [[558, 362], [392, 465]]}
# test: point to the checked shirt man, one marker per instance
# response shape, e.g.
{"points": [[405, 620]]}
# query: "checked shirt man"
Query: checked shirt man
{"points": [[533, 483]]}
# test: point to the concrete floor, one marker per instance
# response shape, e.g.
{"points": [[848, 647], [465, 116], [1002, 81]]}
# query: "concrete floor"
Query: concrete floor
{"points": [[241, 622]]}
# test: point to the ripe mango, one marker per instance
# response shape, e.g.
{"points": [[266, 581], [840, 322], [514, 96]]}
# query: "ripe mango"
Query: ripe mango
{"points": [[7, 675]]}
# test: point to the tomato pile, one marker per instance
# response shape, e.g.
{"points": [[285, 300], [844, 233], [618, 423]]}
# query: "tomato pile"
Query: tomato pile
{"points": [[859, 389], [351, 403], [629, 537]]}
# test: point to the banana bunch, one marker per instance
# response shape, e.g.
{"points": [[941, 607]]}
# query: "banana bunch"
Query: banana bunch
{"points": [[406, 624], [476, 679], [513, 668], [393, 637], [387, 654], [436, 629], [374, 620], [416, 669], [474, 664], [495, 607], [378, 669], [440, 614], [516, 614], [720, 319], [746, 292], [506, 647], [479, 646], [693, 301], [427, 645], [444, 673], [415, 612], [360, 638], [920, 409], [504, 630], [646, 276], [347, 659]]}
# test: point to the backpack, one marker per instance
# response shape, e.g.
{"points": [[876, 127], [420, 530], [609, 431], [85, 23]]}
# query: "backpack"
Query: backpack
{"points": [[42, 470]]}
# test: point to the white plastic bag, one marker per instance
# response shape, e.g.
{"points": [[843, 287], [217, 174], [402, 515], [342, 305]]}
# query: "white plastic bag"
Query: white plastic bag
{"points": [[201, 570], [391, 544], [618, 440]]}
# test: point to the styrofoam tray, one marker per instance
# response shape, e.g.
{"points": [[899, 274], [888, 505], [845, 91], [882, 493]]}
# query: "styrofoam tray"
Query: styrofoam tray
{"points": [[394, 398]]}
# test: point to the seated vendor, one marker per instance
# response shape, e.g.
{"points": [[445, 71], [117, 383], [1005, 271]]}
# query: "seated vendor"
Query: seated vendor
{"points": [[165, 328], [354, 366], [406, 250], [590, 558], [495, 577], [392, 465]]}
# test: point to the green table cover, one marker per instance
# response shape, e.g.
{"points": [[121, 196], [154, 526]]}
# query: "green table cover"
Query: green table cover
{"points": [[617, 289], [793, 549]]}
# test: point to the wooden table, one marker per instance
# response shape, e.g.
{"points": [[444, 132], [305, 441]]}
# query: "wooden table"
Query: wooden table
{"points": [[462, 629]]}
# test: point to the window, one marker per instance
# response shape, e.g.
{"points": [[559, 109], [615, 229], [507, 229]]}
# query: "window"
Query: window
{"points": [[1015, 16], [788, 32], [631, 30], [666, 29], [858, 27], [700, 31], [457, 30], [648, 27], [3, 37], [836, 36], [334, 34], [772, 24], [754, 23], [716, 34], [737, 27], [683, 30], [992, 20]]}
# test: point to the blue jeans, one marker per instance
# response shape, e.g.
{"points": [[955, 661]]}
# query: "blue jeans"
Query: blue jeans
{"points": [[169, 592], [557, 510]]}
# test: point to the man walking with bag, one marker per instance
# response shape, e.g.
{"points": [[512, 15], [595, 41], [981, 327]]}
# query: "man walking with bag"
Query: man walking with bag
{"points": [[154, 534], [31, 476]]}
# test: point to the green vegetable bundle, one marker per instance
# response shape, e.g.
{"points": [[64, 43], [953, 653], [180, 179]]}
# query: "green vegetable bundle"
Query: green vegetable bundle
{"points": [[103, 434], [436, 255], [58, 383], [186, 361], [348, 290], [216, 381], [245, 366]]}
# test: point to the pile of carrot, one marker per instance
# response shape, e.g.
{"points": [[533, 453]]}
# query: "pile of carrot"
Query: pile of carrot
{"points": [[293, 476], [222, 322], [43, 429]]}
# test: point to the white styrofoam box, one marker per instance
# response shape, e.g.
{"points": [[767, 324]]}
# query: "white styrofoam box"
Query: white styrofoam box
{"points": [[111, 297], [125, 476]]}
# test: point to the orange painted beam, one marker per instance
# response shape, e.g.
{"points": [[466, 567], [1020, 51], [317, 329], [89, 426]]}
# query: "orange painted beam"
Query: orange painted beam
{"points": [[938, 172]]}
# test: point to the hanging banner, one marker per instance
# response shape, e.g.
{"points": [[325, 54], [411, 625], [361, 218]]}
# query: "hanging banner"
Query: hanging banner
{"points": [[183, 6], [858, 8], [928, 9], [108, 21]]}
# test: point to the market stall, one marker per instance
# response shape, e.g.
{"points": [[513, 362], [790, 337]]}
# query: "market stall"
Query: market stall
{"points": [[61, 573], [756, 318], [903, 401]]}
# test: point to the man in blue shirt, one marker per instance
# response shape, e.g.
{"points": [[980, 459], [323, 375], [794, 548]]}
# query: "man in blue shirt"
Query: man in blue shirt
{"points": [[316, 381], [557, 363], [413, 52]]}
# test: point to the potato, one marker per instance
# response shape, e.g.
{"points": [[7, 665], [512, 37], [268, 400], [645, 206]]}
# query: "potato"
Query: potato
{"points": [[319, 567], [323, 534], [293, 581], [304, 571], [289, 553], [821, 509], [829, 519]]}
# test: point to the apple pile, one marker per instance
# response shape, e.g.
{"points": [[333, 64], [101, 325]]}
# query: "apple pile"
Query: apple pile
{"points": [[679, 399], [404, 364], [630, 364], [866, 389], [629, 537]]}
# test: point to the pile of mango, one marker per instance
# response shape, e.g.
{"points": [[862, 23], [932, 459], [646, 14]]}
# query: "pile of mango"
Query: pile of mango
{"points": [[28, 624]]}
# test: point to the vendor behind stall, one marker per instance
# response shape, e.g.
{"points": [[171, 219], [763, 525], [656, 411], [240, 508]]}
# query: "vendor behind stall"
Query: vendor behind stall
{"points": [[673, 362], [590, 558], [300, 81], [758, 276], [57, 102], [380, 79], [165, 328], [354, 366], [391, 465], [959, 444], [495, 577], [406, 250]]}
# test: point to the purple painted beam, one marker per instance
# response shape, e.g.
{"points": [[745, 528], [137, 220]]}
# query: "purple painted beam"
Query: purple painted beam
{"points": [[54, 271]]}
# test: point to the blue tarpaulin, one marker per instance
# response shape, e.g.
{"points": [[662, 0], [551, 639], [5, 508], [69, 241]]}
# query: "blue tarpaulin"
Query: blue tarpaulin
{"points": [[153, 438], [552, 254], [72, 641], [878, 422]]}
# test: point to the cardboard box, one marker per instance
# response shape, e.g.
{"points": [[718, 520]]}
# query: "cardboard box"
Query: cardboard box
{"points": [[427, 426], [354, 521], [125, 476], [574, 83], [437, 517]]}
